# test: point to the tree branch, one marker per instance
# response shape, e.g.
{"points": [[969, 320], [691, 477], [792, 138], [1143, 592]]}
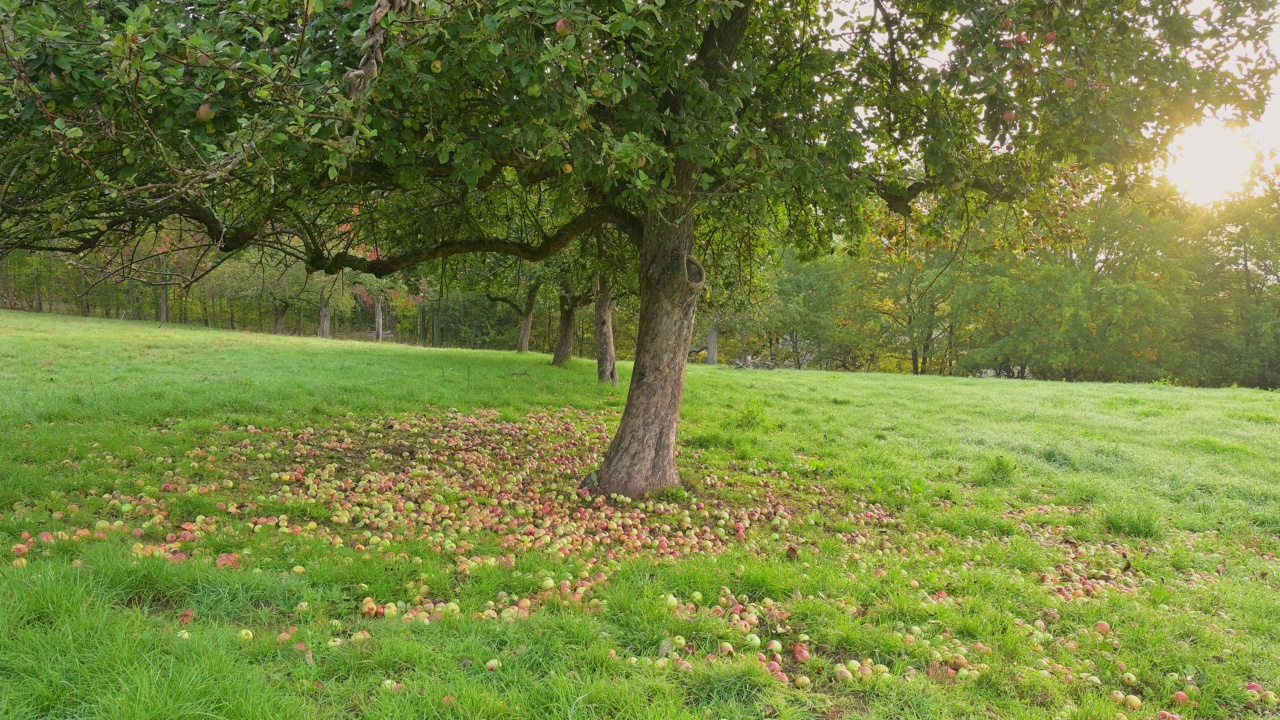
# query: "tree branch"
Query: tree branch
{"points": [[550, 245]]}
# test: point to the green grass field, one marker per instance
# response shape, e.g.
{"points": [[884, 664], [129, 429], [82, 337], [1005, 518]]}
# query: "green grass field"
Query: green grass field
{"points": [[400, 531]]}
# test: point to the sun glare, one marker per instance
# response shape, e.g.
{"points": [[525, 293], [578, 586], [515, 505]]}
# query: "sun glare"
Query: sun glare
{"points": [[1210, 161]]}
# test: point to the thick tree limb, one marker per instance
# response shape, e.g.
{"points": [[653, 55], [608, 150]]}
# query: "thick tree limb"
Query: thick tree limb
{"points": [[550, 245]]}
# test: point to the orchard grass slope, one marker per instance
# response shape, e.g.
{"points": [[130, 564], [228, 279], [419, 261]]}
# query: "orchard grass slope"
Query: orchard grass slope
{"points": [[212, 524]]}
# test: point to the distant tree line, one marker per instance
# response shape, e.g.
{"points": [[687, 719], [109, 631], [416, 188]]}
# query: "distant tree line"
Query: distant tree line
{"points": [[1137, 288]]}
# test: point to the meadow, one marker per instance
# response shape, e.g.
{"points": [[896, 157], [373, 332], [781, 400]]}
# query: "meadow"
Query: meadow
{"points": [[209, 524]]}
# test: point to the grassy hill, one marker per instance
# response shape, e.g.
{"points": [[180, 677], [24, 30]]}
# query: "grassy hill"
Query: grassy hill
{"points": [[164, 490]]}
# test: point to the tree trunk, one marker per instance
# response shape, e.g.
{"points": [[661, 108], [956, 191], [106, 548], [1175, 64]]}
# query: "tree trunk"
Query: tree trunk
{"points": [[377, 319], [526, 329], [39, 304], [606, 355], [526, 315], [281, 315], [164, 304], [84, 295], [642, 457], [231, 311], [564, 341], [422, 323], [713, 343], [323, 330]]}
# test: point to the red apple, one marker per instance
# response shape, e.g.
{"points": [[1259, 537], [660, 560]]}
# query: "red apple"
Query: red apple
{"points": [[562, 27], [204, 113], [1010, 115]]}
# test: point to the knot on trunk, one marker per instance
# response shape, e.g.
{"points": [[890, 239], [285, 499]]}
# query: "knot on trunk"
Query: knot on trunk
{"points": [[694, 273]]}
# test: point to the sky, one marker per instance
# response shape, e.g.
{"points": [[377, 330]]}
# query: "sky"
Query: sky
{"points": [[1210, 161]]}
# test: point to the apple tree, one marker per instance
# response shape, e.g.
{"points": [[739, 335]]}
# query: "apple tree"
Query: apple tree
{"points": [[375, 135]]}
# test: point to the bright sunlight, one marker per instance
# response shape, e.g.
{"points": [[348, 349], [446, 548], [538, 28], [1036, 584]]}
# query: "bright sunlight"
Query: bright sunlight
{"points": [[1211, 161]]}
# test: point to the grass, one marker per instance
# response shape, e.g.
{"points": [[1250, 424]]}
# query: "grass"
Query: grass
{"points": [[926, 525]]}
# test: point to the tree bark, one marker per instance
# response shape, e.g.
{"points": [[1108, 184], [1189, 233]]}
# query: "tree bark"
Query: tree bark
{"points": [[526, 330], [84, 295], [713, 343], [606, 355], [326, 313], [564, 340], [526, 315], [642, 457], [281, 315], [164, 304], [377, 319]]}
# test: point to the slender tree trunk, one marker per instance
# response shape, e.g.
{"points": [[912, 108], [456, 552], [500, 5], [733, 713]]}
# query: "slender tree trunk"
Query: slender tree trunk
{"points": [[231, 311], [526, 330], [915, 361], [526, 316], [422, 323], [39, 304], [281, 315], [713, 343], [642, 457], [564, 340], [326, 312], [84, 295], [377, 319], [606, 355], [164, 304]]}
